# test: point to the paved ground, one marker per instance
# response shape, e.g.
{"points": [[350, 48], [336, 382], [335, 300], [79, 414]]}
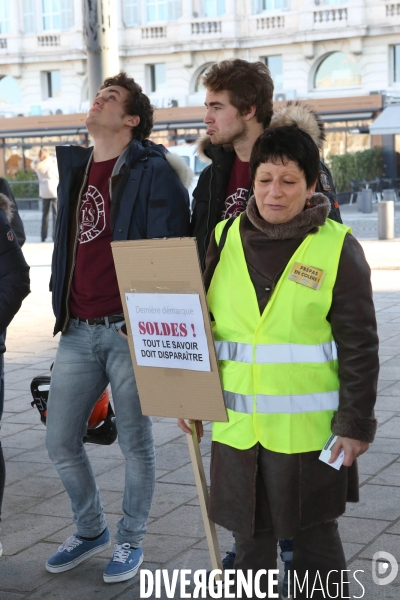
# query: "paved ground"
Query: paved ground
{"points": [[36, 511]]}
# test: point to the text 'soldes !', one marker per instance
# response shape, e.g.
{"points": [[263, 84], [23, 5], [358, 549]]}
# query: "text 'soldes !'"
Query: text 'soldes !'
{"points": [[168, 331]]}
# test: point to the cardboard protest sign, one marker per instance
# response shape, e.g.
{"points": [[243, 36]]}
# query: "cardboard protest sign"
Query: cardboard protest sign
{"points": [[168, 331], [167, 317]]}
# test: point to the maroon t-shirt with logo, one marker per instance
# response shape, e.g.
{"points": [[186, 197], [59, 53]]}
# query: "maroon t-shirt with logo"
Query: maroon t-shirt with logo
{"points": [[238, 188], [94, 289]]}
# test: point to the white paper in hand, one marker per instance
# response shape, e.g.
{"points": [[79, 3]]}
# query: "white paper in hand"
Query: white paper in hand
{"points": [[325, 455]]}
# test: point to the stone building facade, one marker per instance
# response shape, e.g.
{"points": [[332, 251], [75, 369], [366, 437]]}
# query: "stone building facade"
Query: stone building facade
{"points": [[316, 49]]}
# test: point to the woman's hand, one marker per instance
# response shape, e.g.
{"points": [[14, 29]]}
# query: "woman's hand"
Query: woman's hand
{"points": [[352, 449], [185, 427]]}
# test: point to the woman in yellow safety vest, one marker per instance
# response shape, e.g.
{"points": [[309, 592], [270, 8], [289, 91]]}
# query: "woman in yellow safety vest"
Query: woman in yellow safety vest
{"points": [[295, 332]]}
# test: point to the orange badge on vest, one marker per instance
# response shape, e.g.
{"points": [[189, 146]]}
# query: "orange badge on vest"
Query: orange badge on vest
{"points": [[305, 275]]}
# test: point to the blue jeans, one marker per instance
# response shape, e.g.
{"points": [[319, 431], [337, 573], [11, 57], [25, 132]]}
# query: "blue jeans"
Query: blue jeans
{"points": [[88, 358], [286, 547]]}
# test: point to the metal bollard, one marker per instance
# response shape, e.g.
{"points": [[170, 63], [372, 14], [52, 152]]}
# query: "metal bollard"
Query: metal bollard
{"points": [[366, 201], [386, 220]]}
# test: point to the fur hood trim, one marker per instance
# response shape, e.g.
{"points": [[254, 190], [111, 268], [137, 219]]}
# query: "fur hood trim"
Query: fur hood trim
{"points": [[301, 115], [305, 222], [201, 144], [183, 171], [6, 206]]}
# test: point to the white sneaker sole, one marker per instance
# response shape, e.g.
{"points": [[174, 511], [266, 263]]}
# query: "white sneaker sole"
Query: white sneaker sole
{"points": [[77, 561], [123, 576], [1, 549]]}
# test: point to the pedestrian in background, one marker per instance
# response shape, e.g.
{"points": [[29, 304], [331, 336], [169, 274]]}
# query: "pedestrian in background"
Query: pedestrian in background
{"points": [[47, 172], [14, 287]]}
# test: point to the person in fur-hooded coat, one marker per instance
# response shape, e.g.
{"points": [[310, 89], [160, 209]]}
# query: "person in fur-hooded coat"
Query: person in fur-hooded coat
{"points": [[209, 194]]}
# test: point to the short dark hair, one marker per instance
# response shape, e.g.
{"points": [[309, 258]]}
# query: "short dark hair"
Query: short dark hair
{"points": [[284, 144], [248, 83], [137, 103]]}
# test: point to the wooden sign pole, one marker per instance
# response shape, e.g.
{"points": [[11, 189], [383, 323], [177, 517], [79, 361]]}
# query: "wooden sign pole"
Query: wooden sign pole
{"points": [[202, 492]]}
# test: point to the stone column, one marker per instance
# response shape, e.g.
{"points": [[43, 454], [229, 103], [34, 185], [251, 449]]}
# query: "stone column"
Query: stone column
{"points": [[101, 37]]}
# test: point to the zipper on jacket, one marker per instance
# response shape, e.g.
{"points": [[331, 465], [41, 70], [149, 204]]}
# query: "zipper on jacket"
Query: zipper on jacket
{"points": [[64, 328]]}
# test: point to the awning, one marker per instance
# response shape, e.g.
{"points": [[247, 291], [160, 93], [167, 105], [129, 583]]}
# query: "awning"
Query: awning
{"points": [[388, 122]]}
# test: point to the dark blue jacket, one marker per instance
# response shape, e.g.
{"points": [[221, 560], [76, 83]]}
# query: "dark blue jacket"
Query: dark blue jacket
{"points": [[14, 272], [148, 200], [18, 228]]}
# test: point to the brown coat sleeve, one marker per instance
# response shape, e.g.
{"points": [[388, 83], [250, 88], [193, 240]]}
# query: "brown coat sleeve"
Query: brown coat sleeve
{"points": [[353, 321]]}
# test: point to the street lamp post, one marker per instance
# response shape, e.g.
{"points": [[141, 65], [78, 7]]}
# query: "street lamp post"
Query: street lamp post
{"points": [[101, 36]]}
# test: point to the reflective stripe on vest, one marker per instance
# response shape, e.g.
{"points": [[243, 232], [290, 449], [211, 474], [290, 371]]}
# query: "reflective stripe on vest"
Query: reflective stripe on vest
{"points": [[279, 370], [300, 403], [277, 353]]}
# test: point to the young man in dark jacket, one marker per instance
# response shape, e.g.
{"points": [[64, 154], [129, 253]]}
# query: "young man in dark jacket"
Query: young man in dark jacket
{"points": [[124, 188], [239, 103], [239, 107], [14, 287]]}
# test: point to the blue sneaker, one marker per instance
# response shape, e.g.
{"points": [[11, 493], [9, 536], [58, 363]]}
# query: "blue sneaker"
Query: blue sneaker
{"points": [[124, 563], [75, 550]]}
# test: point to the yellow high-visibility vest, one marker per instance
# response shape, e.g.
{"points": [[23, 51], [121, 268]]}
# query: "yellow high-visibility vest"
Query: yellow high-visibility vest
{"points": [[279, 370]]}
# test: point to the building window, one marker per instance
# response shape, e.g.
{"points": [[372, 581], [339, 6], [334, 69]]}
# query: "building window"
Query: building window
{"points": [[51, 84], [264, 5], [10, 92], [157, 77], [213, 8], [325, 2], [57, 14], [28, 13], [131, 12], [5, 19], [163, 10], [396, 64], [275, 66], [338, 70]]}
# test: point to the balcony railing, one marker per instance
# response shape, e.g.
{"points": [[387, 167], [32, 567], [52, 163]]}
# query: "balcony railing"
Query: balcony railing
{"points": [[331, 15], [392, 10], [48, 40], [3, 42], [276, 22], [206, 27], [154, 32]]}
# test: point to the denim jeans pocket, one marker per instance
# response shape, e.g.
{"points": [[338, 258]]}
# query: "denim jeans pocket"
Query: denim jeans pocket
{"points": [[116, 328]]}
